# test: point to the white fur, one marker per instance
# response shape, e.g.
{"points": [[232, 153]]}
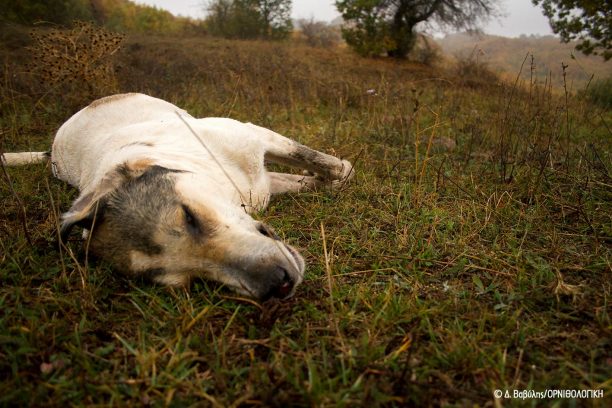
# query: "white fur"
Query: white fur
{"points": [[92, 142], [19, 159]]}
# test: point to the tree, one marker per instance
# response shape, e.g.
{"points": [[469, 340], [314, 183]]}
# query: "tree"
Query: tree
{"points": [[270, 19], [375, 27], [588, 21], [276, 17], [61, 12]]}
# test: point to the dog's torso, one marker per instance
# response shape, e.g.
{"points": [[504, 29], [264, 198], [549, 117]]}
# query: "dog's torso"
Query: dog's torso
{"points": [[110, 131]]}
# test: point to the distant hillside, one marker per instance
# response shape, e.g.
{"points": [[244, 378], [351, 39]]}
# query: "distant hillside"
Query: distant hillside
{"points": [[117, 15], [507, 55]]}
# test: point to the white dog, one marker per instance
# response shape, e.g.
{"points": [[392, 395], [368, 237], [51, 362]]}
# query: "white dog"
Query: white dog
{"points": [[168, 196]]}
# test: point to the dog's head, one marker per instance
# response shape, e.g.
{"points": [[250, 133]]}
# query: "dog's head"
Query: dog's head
{"points": [[158, 222]]}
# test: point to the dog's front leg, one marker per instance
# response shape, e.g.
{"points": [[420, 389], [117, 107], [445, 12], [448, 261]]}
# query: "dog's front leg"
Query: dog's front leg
{"points": [[282, 150]]}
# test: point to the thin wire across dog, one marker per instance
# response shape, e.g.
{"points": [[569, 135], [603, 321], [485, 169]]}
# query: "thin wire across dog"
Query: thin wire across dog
{"points": [[213, 157]]}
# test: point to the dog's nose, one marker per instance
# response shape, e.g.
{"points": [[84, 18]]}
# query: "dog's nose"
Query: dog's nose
{"points": [[283, 287]]}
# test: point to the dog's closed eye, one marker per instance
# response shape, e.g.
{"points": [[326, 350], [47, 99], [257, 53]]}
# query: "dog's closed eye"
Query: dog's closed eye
{"points": [[192, 224]]}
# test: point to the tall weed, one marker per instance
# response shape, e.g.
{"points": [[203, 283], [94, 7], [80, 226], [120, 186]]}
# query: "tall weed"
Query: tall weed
{"points": [[77, 64]]}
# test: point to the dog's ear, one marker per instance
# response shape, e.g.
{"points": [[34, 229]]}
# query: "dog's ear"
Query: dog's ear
{"points": [[88, 208]]}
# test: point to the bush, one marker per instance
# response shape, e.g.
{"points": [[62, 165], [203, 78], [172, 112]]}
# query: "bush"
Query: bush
{"points": [[425, 51], [368, 39], [269, 19], [77, 62], [319, 33], [599, 92], [473, 71]]}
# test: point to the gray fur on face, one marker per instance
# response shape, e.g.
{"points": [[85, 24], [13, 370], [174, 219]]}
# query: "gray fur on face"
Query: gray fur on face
{"points": [[136, 209], [131, 215]]}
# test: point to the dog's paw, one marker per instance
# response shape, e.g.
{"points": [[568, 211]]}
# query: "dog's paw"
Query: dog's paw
{"points": [[347, 172], [334, 179]]}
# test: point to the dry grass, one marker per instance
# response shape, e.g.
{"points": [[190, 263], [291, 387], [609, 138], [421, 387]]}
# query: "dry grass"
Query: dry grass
{"points": [[471, 253]]}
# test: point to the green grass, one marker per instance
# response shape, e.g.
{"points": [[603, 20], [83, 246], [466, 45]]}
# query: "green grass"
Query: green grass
{"points": [[437, 276]]}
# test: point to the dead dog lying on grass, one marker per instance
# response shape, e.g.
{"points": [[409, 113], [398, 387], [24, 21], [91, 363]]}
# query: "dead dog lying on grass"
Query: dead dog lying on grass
{"points": [[168, 196]]}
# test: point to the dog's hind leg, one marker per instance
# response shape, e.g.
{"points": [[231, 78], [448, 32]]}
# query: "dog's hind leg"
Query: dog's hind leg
{"points": [[282, 150], [284, 183]]}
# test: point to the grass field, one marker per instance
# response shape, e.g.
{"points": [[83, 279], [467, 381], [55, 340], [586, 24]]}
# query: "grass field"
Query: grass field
{"points": [[472, 251]]}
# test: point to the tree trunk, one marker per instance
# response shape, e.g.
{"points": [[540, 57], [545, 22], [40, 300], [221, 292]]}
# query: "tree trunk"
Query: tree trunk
{"points": [[402, 32], [404, 42]]}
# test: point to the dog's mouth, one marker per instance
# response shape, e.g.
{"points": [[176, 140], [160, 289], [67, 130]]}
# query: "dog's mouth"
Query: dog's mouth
{"points": [[297, 258]]}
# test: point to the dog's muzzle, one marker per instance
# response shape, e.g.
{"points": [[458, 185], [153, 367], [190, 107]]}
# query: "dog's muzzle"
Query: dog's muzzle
{"points": [[282, 279]]}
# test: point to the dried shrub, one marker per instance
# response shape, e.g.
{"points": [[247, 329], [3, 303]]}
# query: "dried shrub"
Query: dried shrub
{"points": [[78, 63], [472, 71], [425, 51], [319, 33]]}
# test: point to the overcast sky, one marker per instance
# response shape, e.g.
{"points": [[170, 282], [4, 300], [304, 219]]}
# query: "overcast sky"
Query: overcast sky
{"points": [[520, 16]]}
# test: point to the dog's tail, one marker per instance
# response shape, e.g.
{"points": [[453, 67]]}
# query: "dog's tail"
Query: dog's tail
{"points": [[23, 158]]}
